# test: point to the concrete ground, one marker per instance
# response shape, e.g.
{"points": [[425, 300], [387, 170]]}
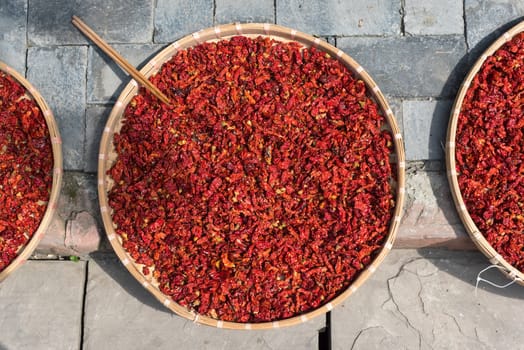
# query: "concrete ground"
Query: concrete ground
{"points": [[418, 52], [417, 299]]}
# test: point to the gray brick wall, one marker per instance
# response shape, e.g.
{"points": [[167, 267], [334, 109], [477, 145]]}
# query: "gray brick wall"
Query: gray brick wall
{"points": [[334, 17], [417, 51], [59, 73], [176, 18], [410, 66], [117, 21], [487, 19], [105, 80], [427, 135], [13, 25], [433, 17], [228, 11]]}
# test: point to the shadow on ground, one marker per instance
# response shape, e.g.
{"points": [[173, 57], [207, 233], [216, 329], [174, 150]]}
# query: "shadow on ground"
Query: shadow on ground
{"points": [[476, 52], [112, 266], [466, 265], [449, 91]]}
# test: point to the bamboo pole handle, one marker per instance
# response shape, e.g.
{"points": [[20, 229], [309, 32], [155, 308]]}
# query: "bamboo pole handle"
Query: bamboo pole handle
{"points": [[119, 59]]}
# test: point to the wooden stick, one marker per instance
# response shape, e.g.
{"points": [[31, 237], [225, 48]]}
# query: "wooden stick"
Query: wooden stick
{"points": [[121, 61]]}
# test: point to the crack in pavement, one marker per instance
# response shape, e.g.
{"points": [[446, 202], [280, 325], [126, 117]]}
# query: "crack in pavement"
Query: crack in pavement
{"points": [[456, 322], [404, 317], [480, 340], [461, 331], [362, 331]]}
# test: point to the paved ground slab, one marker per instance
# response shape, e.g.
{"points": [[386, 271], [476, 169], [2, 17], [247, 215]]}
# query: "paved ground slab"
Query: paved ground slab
{"points": [[426, 299], [120, 314], [41, 306], [417, 299]]}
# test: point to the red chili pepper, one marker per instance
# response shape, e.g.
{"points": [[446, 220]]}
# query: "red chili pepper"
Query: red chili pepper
{"points": [[26, 162], [264, 190], [490, 150]]}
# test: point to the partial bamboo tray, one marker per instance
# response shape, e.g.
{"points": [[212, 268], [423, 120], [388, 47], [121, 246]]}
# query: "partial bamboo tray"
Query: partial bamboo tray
{"points": [[107, 157], [478, 238], [56, 144]]}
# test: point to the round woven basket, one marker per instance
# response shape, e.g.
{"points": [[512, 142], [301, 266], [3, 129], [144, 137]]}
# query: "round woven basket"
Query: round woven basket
{"points": [[107, 157], [25, 251], [478, 238]]}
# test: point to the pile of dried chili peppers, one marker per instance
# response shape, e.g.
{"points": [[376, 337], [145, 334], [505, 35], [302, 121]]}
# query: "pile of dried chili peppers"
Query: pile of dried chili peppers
{"points": [[26, 162], [490, 150], [265, 188]]}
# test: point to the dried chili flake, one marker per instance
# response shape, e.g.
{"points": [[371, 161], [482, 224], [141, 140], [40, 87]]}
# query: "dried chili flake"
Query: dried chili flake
{"points": [[25, 168], [490, 150], [264, 190]]}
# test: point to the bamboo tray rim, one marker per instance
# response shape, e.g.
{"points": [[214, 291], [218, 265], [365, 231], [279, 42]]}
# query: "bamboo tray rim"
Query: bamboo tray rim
{"points": [[478, 238], [56, 145], [280, 33]]}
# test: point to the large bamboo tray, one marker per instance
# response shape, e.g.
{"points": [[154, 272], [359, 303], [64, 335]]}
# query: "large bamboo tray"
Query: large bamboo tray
{"points": [[56, 143], [478, 238], [107, 157]]}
